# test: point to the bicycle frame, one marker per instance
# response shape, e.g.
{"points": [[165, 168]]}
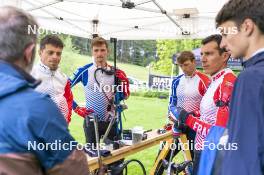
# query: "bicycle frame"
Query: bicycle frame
{"points": [[166, 149]]}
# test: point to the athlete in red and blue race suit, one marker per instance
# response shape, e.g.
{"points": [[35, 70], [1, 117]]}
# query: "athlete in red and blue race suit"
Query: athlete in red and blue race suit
{"points": [[98, 83], [188, 89], [53, 82]]}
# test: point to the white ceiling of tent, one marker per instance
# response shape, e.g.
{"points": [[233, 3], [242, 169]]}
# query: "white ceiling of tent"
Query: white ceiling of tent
{"points": [[145, 21]]}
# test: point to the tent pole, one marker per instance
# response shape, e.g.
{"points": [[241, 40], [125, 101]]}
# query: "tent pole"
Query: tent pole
{"points": [[44, 5], [114, 41], [170, 18], [60, 18]]}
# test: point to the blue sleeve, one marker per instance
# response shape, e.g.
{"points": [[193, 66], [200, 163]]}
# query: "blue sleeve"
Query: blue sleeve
{"points": [[77, 77], [208, 156], [81, 75], [245, 127], [174, 85], [47, 126]]}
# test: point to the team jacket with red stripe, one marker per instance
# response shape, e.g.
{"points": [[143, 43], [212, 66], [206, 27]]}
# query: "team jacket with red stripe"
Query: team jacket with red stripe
{"points": [[214, 109], [187, 92], [96, 98], [57, 85]]}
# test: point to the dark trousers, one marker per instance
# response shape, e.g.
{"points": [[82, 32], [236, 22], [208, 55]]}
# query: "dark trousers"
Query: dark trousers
{"points": [[196, 161], [191, 138], [89, 131]]}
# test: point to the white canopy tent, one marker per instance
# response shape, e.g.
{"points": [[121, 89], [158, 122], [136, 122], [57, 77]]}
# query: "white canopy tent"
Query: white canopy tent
{"points": [[137, 19]]}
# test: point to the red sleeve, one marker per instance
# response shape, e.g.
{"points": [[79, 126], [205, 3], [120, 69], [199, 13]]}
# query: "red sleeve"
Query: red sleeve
{"points": [[197, 125], [69, 98], [125, 82], [221, 98], [204, 83]]}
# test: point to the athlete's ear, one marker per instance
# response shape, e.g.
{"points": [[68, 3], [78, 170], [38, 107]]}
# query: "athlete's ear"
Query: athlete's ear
{"points": [[247, 27], [226, 56], [29, 53]]}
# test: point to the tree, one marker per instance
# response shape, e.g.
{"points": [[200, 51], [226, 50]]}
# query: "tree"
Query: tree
{"points": [[167, 48], [82, 44]]}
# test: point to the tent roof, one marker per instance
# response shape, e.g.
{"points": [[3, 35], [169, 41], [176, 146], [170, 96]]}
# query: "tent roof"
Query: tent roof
{"points": [[144, 21]]}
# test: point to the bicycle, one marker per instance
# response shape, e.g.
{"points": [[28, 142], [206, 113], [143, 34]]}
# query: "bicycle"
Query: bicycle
{"points": [[164, 161]]}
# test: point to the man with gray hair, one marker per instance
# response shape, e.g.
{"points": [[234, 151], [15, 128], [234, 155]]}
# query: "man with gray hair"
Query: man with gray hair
{"points": [[34, 138]]}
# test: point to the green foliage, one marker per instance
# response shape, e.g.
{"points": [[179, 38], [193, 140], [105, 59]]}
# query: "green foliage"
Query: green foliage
{"points": [[167, 48], [151, 94], [83, 45], [69, 46], [136, 52]]}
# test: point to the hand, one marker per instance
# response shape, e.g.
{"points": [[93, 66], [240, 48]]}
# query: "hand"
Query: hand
{"points": [[83, 111], [174, 113], [176, 131], [178, 115]]}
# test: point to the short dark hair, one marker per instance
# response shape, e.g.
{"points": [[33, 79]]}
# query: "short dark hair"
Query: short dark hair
{"points": [[51, 39], [185, 56], [98, 41], [216, 38], [239, 10]]}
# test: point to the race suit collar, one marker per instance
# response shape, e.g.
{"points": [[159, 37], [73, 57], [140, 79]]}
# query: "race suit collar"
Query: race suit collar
{"points": [[258, 56], [46, 69], [257, 52], [195, 72], [219, 74]]}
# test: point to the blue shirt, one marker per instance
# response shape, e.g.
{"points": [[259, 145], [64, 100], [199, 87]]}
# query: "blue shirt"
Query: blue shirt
{"points": [[246, 121]]}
